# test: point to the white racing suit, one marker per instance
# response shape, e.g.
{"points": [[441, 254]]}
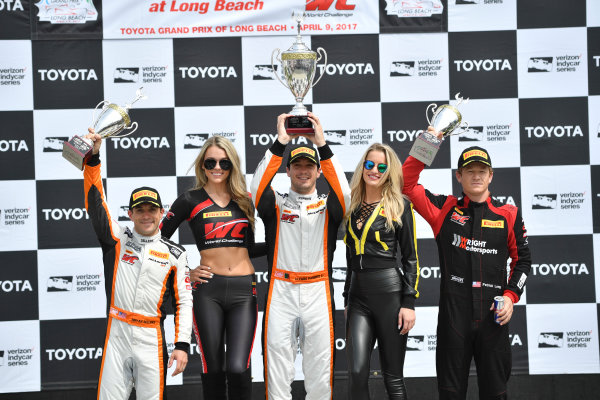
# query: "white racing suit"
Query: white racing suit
{"points": [[301, 234], [140, 273]]}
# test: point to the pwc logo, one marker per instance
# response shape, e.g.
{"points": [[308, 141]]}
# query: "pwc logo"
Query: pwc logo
{"points": [[129, 259], [325, 5], [289, 218], [459, 219], [222, 229]]}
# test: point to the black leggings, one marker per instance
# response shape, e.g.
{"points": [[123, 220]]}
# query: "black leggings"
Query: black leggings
{"points": [[373, 307], [225, 312]]}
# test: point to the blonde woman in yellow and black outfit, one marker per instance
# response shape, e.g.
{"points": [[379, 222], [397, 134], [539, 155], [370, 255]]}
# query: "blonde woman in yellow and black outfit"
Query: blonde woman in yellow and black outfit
{"points": [[383, 272]]}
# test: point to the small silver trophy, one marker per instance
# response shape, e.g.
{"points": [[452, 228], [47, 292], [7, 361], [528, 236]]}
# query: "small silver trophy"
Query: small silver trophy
{"points": [[298, 66], [112, 120], [445, 119]]}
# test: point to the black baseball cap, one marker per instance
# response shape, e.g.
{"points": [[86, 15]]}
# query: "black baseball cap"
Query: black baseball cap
{"points": [[143, 195], [474, 154], [303, 151]]}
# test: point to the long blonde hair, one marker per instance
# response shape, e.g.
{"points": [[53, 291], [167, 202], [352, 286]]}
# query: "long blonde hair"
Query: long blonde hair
{"points": [[236, 181], [391, 183]]}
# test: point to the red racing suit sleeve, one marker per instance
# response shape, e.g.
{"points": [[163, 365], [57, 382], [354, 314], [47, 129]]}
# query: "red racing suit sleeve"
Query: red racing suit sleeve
{"points": [[520, 264], [427, 204]]}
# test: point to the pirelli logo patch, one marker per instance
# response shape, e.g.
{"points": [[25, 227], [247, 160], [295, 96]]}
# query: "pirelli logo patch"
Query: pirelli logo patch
{"points": [[486, 223], [475, 153], [145, 193], [217, 214], [159, 254], [302, 150], [315, 205]]}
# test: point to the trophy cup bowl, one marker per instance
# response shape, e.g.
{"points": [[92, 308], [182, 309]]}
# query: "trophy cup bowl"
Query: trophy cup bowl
{"points": [[445, 119], [112, 120], [298, 65]]}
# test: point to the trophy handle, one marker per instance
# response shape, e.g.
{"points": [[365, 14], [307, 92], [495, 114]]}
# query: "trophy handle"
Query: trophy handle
{"points": [[432, 111], [275, 69], [128, 127], [103, 102], [324, 55]]}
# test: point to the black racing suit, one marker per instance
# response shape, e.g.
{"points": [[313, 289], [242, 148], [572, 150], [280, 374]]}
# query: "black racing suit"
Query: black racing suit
{"points": [[374, 292], [474, 241], [225, 309]]}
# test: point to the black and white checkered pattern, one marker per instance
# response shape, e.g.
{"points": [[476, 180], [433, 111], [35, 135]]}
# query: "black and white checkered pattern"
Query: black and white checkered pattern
{"points": [[530, 68]]}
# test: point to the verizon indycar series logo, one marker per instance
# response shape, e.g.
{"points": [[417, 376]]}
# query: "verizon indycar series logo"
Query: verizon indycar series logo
{"points": [[566, 201], [74, 283], [54, 144], [149, 74], [335, 136], [264, 72], [573, 339], [491, 133], [11, 76], [16, 357], [194, 140], [428, 67], [66, 11], [126, 75], [413, 8]]}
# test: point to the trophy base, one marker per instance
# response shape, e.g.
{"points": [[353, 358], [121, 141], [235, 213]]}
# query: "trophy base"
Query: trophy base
{"points": [[77, 151], [425, 148], [298, 124]]}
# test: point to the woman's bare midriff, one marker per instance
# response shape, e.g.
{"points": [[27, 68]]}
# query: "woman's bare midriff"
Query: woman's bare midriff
{"points": [[227, 261]]}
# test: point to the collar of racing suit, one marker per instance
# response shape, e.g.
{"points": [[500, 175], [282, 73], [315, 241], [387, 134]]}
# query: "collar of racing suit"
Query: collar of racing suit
{"points": [[467, 202], [145, 239], [299, 198]]}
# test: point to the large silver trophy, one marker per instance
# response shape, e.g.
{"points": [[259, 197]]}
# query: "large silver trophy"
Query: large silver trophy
{"points": [[298, 67], [445, 119], [112, 120]]}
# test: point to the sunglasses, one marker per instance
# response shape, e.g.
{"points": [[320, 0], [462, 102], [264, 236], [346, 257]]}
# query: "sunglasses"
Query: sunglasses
{"points": [[211, 163], [369, 165]]}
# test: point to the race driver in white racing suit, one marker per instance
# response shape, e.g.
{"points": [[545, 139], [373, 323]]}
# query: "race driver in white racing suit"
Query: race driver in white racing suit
{"points": [[300, 232], [141, 269]]}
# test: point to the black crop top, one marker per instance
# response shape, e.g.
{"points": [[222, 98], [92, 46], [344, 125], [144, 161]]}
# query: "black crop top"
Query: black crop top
{"points": [[212, 225]]}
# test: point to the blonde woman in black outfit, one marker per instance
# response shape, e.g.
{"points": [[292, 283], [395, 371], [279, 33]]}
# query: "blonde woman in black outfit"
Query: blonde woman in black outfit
{"points": [[383, 272]]}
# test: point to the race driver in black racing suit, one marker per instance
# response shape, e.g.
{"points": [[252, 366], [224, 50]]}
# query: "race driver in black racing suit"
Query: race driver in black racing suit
{"points": [[476, 235]]}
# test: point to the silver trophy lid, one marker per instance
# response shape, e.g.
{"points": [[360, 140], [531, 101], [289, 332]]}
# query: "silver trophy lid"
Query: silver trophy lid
{"points": [[298, 50]]}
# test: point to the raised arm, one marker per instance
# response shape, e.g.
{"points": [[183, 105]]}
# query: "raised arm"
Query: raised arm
{"points": [[106, 229]]}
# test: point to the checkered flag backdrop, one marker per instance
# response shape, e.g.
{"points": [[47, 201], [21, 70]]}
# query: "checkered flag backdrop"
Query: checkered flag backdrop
{"points": [[531, 70]]}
